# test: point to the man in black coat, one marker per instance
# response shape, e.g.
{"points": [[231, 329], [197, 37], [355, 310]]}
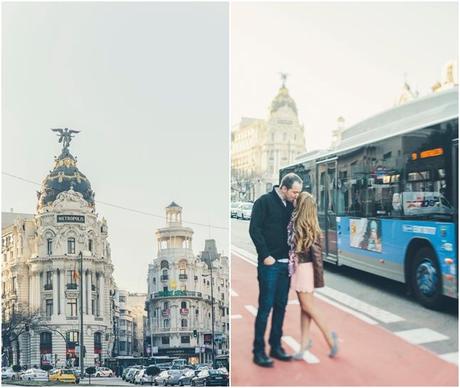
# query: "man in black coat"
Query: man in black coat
{"points": [[270, 216]]}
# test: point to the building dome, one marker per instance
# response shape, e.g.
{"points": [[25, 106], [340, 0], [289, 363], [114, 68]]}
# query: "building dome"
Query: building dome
{"points": [[283, 99], [63, 177]]}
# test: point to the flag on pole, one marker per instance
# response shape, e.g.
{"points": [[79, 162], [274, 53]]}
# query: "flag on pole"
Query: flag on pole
{"points": [[75, 274]]}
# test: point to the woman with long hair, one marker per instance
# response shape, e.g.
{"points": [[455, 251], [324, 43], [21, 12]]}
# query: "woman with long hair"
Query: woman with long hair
{"points": [[306, 270]]}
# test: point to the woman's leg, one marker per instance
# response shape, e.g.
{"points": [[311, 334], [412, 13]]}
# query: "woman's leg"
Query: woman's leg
{"points": [[307, 304], [305, 322]]}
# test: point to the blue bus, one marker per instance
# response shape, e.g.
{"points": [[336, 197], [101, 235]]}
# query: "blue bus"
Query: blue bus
{"points": [[387, 196]]}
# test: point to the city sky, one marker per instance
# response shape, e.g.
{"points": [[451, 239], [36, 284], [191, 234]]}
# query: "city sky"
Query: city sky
{"points": [[344, 59], [147, 86]]}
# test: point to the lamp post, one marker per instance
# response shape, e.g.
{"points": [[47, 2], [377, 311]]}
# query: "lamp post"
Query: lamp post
{"points": [[209, 263], [82, 354]]}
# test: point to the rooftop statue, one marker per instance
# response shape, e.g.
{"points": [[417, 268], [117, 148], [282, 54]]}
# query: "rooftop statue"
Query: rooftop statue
{"points": [[65, 136]]}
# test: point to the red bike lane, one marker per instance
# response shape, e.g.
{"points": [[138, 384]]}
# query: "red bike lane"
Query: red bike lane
{"points": [[368, 354]]}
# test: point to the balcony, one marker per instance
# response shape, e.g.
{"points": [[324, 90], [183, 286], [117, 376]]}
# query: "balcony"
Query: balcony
{"points": [[177, 293], [184, 311], [165, 313], [164, 278], [93, 287], [182, 276], [71, 286], [48, 287]]}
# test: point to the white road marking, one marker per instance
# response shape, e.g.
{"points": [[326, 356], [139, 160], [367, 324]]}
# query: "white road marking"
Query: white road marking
{"points": [[294, 345], [233, 293], [251, 309], [450, 357], [356, 314], [356, 304], [421, 336], [236, 316]]}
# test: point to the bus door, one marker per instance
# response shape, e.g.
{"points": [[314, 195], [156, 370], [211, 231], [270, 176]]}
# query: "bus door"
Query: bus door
{"points": [[454, 190], [326, 172]]}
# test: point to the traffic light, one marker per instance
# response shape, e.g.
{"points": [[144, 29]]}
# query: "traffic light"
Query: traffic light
{"points": [[195, 333]]}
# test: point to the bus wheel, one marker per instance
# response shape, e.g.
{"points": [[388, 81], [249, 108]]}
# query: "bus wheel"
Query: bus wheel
{"points": [[426, 278]]}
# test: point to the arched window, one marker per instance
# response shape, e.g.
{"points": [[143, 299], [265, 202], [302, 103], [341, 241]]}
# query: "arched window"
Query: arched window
{"points": [[183, 305], [164, 264], [97, 343], [49, 246], [71, 245]]}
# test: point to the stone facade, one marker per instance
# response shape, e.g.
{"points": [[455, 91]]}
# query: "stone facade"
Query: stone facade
{"points": [[41, 273], [261, 147], [179, 321]]}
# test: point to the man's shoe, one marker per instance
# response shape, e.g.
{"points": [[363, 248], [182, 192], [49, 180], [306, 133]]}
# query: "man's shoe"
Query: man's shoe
{"points": [[280, 354], [261, 359]]}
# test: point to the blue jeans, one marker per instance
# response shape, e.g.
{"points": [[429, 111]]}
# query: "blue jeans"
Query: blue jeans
{"points": [[274, 284]]}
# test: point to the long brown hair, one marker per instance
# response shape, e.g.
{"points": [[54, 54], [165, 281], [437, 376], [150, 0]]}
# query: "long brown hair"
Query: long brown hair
{"points": [[305, 220]]}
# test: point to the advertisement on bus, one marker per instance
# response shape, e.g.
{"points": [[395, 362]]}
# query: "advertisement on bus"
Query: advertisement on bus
{"points": [[366, 234]]}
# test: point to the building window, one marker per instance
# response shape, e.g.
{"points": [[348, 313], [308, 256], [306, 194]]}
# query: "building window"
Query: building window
{"points": [[166, 323], [14, 284], [165, 340], [71, 245], [183, 305], [46, 343], [185, 339], [165, 305], [49, 307], [49, 244], [164, 264], [97, 343], [49, 280], [71, 308], [184, 323], [122, 346], [72, 278], [93, 305], [90, 245]]}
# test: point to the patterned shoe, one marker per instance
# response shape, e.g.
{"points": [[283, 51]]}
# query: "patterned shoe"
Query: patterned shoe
{"points": [[335, 345]]}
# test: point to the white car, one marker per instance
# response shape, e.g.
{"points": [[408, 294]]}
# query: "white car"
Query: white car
{"points": [[104, 372], [35, 374], [234, 208], [8, 374], [139, 377], [244, 211], [161, 378]]}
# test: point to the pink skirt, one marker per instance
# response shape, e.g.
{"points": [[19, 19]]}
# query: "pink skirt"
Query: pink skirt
{"points": [[302, 279]]}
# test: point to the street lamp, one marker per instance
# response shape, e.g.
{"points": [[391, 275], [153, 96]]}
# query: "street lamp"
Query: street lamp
{"points": [[209, 263], [82, 347]]}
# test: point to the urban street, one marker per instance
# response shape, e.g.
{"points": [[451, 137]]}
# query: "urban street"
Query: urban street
{"points": [[385, 336]]}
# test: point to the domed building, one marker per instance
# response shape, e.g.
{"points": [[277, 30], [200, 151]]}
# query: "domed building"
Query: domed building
{"points": [[261, 147], [41, 272]]}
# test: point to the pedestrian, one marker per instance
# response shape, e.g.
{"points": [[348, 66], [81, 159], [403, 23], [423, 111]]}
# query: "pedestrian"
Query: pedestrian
{"points": [[306, 271], [271, 214]]}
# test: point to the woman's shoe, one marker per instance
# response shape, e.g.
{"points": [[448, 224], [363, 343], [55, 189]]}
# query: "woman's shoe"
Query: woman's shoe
{"points": [[335, 345], [300, 354]]}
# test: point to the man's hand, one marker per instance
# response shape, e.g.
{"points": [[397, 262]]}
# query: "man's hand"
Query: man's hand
{"points": [[269, 260]]}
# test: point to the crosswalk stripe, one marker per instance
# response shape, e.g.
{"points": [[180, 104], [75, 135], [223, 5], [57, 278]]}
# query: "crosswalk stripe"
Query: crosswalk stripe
{"points": [[356, 314], [450, 357], [356, 304], [236, 316], [309, 357], [233, 293], [251, 309], [421, 336]]}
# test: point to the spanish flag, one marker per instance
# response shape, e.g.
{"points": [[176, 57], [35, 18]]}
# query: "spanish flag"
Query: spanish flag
{"points": [[75, 274]]}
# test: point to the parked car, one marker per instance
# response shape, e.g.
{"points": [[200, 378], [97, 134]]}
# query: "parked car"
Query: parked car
{"points": [[133, 375], [234, 209], [8, 374], [208, 377], [35, 374], [186, 378], [244, 211], [161, 378], [104, 372], [63, 376], [138, 378], [173, 377], [131, 372]]}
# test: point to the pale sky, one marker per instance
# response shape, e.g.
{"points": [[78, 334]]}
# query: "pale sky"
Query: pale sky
{"points": [[344, 59], [147, 86]]}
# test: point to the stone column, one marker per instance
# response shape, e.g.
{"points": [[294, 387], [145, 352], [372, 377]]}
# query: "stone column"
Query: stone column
{"points": [[55, 293], [102, 295], [62, 292]]}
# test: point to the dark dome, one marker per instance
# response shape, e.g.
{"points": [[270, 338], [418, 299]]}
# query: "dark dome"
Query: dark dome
{"points": [[64, 176], [283, 99]]}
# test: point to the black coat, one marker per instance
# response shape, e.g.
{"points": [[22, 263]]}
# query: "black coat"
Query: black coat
{"points": [[268, 227]]}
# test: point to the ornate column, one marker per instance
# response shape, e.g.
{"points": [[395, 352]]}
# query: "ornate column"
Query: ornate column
{"points": [[62, 291], [55, 293]]}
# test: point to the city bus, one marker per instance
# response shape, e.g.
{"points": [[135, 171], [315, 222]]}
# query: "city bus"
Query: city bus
{"points": [[387, 196]]}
